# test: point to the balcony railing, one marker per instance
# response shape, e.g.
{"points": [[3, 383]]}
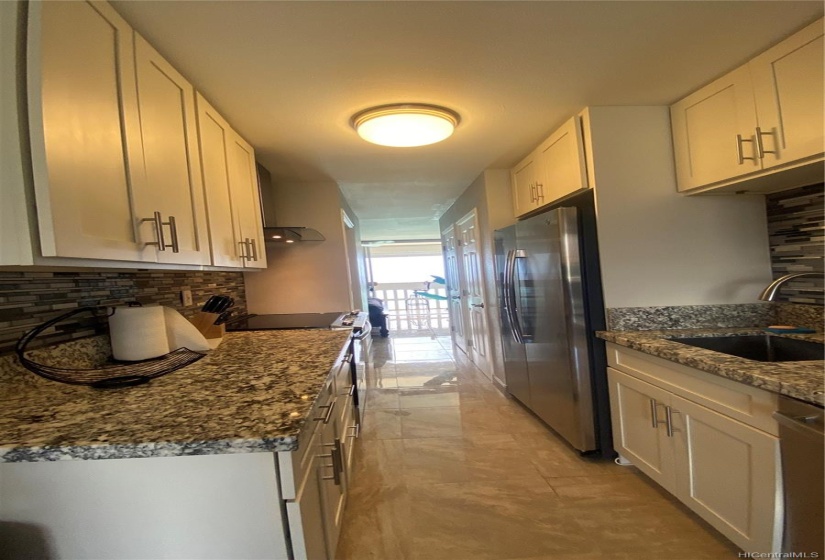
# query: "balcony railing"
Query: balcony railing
{"points": [[410, 312]]}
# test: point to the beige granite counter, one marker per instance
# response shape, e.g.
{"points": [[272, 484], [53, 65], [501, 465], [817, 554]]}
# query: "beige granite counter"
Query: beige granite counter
{"points": [[253, 393], [804, 380]]}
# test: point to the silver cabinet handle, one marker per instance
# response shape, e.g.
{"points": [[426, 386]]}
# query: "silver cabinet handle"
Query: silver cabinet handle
{"points": [[481, 305], [242, 252], [654, 414], [669, 412], [157, 221], [253, 249], [352, 389], [328, 414], [539, 192], [760, 146], [533, 197], [173, 229], [337, 461], [739, 152], [357, 428], [333, 466]]}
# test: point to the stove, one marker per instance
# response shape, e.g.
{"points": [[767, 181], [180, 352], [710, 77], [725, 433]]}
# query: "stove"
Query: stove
{"points": [[355, 320]]}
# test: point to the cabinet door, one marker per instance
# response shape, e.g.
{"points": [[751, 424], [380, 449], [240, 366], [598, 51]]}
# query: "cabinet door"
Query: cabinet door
{"points": [[170, 155], [224, 231], [246, 198], [639, 432], [714, 132], [562, 165], [85, 131], [333, 495], [788, 86], [348, 435], [305, 514], [727, 473], [523, 178]]}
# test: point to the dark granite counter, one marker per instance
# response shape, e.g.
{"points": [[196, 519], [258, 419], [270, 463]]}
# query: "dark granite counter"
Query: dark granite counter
{"points": [[802, 380], [253, 393]]}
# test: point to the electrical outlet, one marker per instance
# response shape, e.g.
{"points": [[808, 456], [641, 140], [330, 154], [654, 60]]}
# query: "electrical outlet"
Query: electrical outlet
{"points": [[186, 297]]}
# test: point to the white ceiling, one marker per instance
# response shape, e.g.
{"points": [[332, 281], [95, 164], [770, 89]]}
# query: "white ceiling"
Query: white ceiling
{"points": [[289, 75]]}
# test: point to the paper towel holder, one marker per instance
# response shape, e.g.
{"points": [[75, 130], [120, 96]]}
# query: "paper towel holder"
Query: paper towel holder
{"points": [[107, 376]]}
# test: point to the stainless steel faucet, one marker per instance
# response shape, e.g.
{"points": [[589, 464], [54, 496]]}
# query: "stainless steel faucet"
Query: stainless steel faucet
{"points": [[770, 292]]}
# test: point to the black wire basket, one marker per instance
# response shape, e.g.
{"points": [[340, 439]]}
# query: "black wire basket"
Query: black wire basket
{"points": [[107, 376]]}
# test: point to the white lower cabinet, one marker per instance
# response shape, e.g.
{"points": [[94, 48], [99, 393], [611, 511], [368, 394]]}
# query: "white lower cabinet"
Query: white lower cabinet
{"points": [[315, 479], [202, 506], [725, 470]]}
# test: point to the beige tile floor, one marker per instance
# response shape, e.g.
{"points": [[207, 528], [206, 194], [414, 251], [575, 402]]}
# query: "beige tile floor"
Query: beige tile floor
{"points": [[448, 468]]}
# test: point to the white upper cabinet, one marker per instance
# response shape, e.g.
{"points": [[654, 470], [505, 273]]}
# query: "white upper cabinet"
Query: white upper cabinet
{"points": [[117, 167], [554, 170], [561, 161], [173, 189], [524, 178], [788, 87], [232, 198], [224, 234], [243, 179], [84, 126], [763, 117], [714, 132]]}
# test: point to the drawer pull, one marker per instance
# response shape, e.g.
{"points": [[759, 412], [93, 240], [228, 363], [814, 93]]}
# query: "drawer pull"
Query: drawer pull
{"points": [[357, 428], [328, 414]]}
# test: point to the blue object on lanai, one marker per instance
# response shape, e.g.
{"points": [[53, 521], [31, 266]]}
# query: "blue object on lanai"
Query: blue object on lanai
{"points": [[430, 296], [438, 280]]}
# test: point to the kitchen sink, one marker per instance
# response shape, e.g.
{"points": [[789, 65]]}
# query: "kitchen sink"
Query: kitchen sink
{"points": [[762, 348]]}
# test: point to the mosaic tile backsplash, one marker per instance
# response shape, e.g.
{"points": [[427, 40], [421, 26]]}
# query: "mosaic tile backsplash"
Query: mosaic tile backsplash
{"points": [[30, 298], [796, 226]]}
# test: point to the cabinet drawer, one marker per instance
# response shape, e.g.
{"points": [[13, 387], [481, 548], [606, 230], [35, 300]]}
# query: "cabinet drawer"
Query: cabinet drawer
{"points": [[749, 405], [293, 465]]}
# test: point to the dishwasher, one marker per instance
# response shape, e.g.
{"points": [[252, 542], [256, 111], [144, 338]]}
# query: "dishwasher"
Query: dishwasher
{"points": [[801, 443]]}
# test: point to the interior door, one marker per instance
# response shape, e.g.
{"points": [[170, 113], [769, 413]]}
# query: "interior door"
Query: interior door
{"points": [[450, 246], [473, 289]]}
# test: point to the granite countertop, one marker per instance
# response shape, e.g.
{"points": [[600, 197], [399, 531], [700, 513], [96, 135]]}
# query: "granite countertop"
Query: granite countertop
{"points": [[253, 393], [801, 380]]}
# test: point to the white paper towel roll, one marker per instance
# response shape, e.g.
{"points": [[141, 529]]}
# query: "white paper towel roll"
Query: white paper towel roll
{"points": [[182, 334], [138, 333]]}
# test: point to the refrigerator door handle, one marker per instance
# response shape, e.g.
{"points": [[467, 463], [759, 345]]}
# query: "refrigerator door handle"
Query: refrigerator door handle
{"points": [[510, 291]]}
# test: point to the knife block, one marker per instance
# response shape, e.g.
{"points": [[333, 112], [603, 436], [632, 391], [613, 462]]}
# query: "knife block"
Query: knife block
{"points": [[205, 323]]}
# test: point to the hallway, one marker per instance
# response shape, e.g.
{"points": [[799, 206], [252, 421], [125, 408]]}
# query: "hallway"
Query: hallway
{"points": [[448, 468]]}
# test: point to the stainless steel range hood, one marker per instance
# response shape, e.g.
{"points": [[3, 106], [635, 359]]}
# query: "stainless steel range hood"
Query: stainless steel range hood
{"points": [[273, 231]]}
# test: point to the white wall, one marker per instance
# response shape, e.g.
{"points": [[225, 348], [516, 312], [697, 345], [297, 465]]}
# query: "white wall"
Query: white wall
{"points": [[657, 247], [308, 277]]}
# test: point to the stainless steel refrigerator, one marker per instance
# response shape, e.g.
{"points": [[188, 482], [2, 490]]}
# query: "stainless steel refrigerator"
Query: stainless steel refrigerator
{"points": [[550, 305]]}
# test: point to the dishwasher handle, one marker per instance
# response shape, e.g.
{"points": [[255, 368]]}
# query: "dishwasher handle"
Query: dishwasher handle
{"points": [[807, 425]]}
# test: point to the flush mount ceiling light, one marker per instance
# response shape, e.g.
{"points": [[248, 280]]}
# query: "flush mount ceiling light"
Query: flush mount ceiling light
{"points": [[405, 125]]}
